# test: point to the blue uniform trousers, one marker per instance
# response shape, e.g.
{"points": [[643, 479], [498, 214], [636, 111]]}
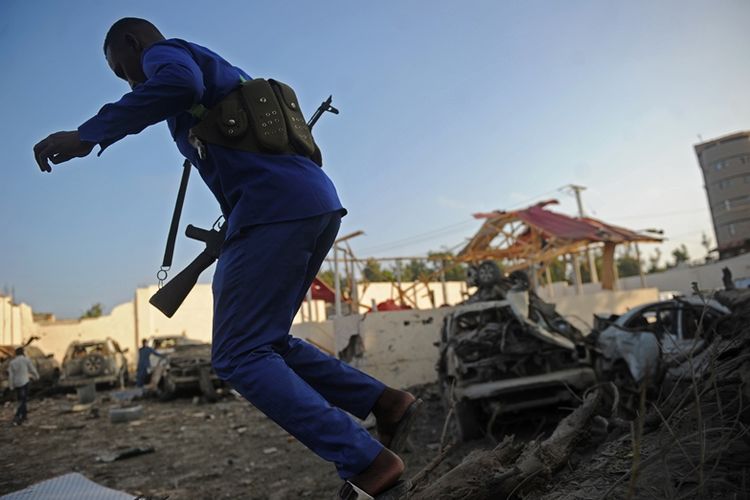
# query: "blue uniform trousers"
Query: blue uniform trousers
{"points": [[261, 279]]}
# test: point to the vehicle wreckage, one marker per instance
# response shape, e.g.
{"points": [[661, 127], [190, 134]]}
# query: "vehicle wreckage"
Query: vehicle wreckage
{"points": [[187, 368], [505, 350]]}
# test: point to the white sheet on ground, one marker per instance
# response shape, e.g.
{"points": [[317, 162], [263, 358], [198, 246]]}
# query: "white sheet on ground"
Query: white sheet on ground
{"points": [[73, 486]]}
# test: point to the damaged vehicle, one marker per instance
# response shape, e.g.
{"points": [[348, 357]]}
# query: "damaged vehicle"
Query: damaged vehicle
{"points": [[45, 364], [187, 369], [507, 351], [94, 362], [650, 340], [166, 344]]}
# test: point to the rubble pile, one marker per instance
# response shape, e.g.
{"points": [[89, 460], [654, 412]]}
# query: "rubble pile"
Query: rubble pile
{"points": [[687, 437]]}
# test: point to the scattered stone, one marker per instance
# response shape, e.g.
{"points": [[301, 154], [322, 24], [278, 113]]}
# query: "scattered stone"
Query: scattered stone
{"points": [[268, 451]]}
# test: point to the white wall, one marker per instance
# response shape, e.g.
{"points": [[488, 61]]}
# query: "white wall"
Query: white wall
{"points": [[708, 276], [55, 336], [399, 346], [580, 309], [16, 322]]}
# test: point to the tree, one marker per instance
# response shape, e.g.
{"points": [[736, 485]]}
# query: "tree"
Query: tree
{"points": [[585, 272], [680, 255], [415, 270], [628, 265], [453, 271], [93, 312], [654, 261], [374, 272], [557, 269]]}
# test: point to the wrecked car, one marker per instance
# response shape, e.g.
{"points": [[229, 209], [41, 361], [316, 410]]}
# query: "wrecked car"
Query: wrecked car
{"points": [[186, 369], [46, 365], [649, 340], [507, 352], [167, 343], [94, 362]]}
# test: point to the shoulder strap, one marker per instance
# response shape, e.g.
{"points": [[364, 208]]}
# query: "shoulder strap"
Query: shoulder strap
{"points": [[169, 250]]}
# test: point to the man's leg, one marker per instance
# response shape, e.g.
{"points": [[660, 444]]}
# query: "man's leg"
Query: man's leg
{"points": [[22, 411], [256, 285], [342, 385]]}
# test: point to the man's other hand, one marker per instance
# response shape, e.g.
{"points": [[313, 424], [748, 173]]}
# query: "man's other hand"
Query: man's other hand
{"points": [[60, 147]]}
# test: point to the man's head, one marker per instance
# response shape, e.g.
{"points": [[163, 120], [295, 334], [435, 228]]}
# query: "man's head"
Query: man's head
{"points": [[19, 351], [124, 44], [144, 343]]}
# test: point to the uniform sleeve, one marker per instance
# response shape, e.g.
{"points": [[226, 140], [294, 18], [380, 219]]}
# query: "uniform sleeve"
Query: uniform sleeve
{"points": [[174, 84], [11, 376]]}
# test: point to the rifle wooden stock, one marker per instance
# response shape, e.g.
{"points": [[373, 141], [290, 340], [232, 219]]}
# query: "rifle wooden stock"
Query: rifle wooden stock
{"points": [[169, 297]]}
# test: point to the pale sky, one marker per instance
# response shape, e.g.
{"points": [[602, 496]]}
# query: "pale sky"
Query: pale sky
{"points": [[447, 108]]}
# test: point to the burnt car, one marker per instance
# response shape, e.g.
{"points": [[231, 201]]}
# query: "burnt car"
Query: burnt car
{"points": [[509, 355], [46, 365], [94, 362], [648, 341], [187, 369], [166, 344]]}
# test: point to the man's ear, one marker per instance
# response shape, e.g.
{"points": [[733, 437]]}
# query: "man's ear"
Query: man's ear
{"points": [[133, 42]]}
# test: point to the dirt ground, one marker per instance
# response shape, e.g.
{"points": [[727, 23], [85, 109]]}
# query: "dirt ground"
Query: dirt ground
{"points": [[226, 449]]}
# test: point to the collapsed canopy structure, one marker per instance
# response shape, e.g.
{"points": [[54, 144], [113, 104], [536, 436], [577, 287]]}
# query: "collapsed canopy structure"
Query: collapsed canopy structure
{"points": [[532, 237]]}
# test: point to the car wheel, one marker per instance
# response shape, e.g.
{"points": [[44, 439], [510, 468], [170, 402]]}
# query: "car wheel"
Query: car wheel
{"points": [[167, 388], [93, 365], [206, 385], [488, 274]]}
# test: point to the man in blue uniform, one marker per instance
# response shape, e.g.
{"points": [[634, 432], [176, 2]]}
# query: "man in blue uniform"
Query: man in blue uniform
{"points": [[283, 215]]}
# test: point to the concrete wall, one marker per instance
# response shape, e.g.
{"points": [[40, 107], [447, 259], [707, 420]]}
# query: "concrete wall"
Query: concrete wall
{"points": [[456, 291], [55, 336], [16, 322], [399, 346], [193, 319], [580, 309], [708, 276]]}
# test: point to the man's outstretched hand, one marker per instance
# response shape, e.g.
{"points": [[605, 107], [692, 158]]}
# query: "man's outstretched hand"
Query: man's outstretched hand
{"points": [[60, 147]]}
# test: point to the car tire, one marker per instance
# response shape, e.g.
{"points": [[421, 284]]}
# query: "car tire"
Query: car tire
{"points": [[93, 365], [167, 388], [488, 274], [206, 385]]}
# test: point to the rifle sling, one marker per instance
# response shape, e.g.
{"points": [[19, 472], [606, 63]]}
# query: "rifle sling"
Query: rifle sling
{"points": [[172, 237]]}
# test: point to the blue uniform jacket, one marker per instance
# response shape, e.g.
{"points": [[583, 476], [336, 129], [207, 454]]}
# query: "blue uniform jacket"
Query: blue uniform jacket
{"points": [[251, 188]]}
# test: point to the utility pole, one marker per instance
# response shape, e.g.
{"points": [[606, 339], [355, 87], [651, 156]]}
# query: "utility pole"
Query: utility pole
{"points": [[592, 261]]}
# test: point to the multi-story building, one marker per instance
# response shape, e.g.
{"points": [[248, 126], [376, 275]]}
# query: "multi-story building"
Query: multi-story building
{"points": [[725, 163]]}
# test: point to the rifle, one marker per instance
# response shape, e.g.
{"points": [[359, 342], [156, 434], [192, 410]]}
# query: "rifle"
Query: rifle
{"points": [[172, 294], [170, 297]]}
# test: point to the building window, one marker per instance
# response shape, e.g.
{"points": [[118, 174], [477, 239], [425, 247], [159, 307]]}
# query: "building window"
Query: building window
{"points": [[727, 205], [723, 184], [732, 230], [719, 165], [747, 179]]}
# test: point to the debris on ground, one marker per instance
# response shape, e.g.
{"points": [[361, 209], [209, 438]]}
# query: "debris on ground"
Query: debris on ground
{"points": [[113, 456], [688, 437]]}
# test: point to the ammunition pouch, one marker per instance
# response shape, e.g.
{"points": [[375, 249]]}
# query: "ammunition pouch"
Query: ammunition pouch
{"points": [[260, 116]]}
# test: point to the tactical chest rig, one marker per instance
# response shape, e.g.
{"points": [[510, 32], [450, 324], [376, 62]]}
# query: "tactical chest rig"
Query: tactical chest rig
{"points": [[261, 116]]}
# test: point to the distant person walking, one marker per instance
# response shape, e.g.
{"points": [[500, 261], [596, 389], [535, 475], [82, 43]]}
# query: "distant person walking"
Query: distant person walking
{"points": [[20, 371], [144, 361]]}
